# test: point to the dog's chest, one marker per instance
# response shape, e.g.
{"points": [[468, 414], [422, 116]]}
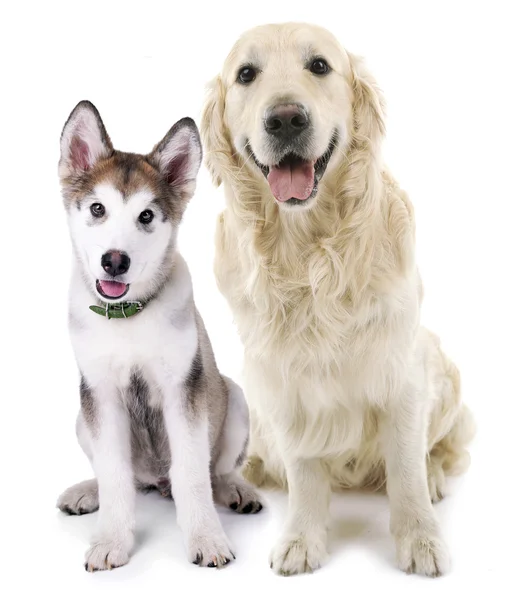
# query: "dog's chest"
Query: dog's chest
{"points": [[298, 326], [115, 348]]}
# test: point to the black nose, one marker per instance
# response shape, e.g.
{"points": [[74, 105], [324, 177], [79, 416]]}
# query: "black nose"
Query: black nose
{"points": [[286, 121], [115, 262]]}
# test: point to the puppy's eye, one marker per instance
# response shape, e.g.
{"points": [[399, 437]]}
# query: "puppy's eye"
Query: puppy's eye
{"points": [[246, 75], [147, 216], [97, 210], [319, 67]]}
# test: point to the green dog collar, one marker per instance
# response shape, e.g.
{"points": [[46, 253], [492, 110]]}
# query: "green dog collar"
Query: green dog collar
{"points": [[120, 310]]}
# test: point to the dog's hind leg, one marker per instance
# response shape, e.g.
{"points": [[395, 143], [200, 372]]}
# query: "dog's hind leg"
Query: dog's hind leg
{"points": [[229, 487], [449, 456], [451, 426], [263, 468], [83, 497]]}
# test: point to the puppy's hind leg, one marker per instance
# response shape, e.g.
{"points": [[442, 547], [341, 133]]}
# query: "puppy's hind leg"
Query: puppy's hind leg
{"points": [[81, 498], [229, 487]]}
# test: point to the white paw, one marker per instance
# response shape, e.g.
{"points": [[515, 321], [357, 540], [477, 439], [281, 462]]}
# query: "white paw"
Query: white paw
{"points": [[103, 556], [300, 553], [209, 549], [419, 551], [80, 499]]}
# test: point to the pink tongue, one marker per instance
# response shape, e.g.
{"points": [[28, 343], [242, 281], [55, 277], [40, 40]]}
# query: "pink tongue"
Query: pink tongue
{"points": [[113, 289], [292, 181]]}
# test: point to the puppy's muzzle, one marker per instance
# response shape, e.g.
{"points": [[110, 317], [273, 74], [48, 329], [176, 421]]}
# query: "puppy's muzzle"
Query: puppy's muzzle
{"points": [[115, 263]]}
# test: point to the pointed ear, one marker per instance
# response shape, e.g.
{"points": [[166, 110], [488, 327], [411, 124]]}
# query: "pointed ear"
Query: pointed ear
{"points": [[368, 104], [178, 157], [84, 140], [215, 137]]}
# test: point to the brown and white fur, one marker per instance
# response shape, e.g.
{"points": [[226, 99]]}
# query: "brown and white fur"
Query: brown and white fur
{"points": [[345, 388], [155, 411]]}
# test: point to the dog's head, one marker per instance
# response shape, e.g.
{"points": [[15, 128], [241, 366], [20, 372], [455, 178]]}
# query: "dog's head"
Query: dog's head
{"points": [[124, 209], [289, 103]]}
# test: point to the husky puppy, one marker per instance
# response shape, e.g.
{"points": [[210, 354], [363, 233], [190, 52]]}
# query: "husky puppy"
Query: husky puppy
{"points": [[155, 411]]}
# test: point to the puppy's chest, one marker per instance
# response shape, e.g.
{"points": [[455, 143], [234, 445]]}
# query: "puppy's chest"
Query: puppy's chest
{"points": [[117, 347]]}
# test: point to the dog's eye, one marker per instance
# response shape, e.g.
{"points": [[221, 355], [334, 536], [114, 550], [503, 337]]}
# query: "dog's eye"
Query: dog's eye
{"points": [[147, 216], [319, 67], [246, 75], [97, 210]]}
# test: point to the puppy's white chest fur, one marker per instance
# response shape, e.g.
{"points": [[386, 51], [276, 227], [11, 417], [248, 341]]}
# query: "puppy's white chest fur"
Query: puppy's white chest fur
{"points": [[161, 340]]}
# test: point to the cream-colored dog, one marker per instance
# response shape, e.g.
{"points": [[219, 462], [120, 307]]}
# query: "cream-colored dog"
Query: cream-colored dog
{"points": [[315, 254]]}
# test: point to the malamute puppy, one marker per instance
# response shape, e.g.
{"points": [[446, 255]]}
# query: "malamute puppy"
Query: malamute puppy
{"points": [[155, 410]]}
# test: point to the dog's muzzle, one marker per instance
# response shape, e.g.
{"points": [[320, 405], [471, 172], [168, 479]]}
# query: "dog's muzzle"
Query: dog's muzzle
{"points": [[293, 179], [287, 124]]}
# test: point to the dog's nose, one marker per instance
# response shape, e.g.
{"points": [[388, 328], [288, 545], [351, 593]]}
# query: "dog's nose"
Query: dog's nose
{"points": [[115, 262], [286, 121]]}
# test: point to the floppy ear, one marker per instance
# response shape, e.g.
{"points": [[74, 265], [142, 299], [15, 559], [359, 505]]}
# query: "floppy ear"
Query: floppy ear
{"points": [[214, 132], [368, 104], [178, 157], [84, 140]]}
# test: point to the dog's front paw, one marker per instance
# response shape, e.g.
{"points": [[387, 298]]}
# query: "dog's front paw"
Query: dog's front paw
{"points": [[298, 554], [209, 549], [422, 552], [106, 555]]}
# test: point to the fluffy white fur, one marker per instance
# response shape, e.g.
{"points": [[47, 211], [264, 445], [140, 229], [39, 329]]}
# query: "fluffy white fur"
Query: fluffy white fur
{"points": [[344, 386]]}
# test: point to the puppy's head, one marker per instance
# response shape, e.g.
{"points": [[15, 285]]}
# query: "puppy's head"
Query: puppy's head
{"points": [[124, 209], [289, 103]]}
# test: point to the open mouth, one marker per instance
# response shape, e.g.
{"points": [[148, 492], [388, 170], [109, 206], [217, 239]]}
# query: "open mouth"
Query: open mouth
{"points": [[294, 179], [112, 290]]}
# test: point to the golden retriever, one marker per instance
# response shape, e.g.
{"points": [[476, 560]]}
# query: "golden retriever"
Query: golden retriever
{"points": [[315, 255]]}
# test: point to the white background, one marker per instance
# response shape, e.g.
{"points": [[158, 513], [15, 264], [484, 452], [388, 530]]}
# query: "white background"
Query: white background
{"points": [[454, 79]]}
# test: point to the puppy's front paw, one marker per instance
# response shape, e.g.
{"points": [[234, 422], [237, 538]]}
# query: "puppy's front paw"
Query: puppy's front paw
{"points": [[209, 549], [103, 556], [298, 554], [422, 552]]}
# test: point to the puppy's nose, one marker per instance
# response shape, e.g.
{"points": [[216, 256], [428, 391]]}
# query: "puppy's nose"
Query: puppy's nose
{"points": [[115, 262], [286, 121]]}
